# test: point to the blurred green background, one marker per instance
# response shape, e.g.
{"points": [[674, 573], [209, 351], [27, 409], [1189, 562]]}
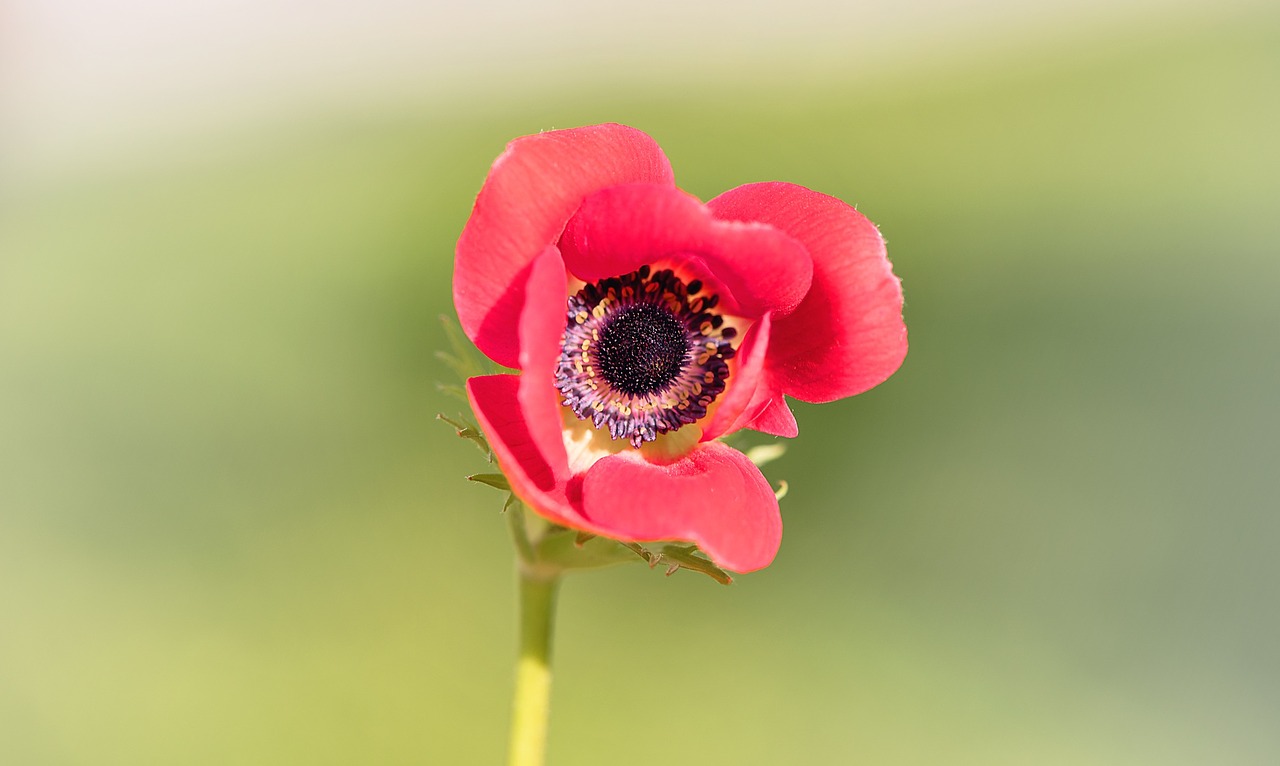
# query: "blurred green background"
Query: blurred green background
{"points": [[232, 533]]}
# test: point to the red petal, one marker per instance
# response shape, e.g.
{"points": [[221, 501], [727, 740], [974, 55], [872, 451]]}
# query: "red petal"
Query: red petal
{"points": [[774, 417], [714, 496], [847, 336], [746, 371], [531, 192], [620, 229], [541, 485], [768, 411], [541, 327]]}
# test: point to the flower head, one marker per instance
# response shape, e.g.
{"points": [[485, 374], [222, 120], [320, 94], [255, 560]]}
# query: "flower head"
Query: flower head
{"points": [[647, 324]]}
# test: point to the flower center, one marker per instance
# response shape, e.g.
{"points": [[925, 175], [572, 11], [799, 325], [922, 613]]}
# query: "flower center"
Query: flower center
{"points": [[642, 349], [643, 354]]}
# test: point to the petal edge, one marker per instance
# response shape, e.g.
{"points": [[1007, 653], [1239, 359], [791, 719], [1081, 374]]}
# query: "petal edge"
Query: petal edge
{"points": [[847, 336], [531, 191], [714, 496]]}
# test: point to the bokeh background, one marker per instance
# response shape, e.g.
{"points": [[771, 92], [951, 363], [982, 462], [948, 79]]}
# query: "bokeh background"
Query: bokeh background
{"points": [[231, 531]]}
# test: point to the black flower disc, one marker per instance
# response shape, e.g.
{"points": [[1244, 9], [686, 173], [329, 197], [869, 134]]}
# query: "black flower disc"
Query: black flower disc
{"points": [[642, 354]]}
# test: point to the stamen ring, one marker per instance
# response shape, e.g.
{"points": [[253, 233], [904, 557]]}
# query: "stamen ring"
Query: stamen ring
{"points": [[642, 355]]}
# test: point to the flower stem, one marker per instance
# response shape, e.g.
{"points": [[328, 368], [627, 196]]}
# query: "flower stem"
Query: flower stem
{"points": [[532, 701]]}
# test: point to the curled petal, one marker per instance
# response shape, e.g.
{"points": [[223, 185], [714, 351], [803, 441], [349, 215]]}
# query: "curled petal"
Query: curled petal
{"points": [[847, 335], [539, 483], [617, 230], [713, 496], [733, 411], [531, 192], [541, 325], [769, 414]]}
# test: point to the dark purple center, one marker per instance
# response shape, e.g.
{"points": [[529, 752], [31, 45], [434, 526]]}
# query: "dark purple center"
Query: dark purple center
{"points": [[642, 349], [641, 355]]}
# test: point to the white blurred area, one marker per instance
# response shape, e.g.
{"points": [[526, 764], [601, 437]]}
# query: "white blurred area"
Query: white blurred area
{"points": [[88, 82]]}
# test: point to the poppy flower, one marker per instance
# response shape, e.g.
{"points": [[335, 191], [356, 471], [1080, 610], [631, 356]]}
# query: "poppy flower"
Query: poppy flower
{"points": [[647, 324]]}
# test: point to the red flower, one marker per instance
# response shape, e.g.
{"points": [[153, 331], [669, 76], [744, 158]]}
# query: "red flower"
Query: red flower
{"points": [[647, 324]]}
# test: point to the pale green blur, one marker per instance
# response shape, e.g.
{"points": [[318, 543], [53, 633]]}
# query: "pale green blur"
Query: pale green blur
{"points": [[232, 533]]}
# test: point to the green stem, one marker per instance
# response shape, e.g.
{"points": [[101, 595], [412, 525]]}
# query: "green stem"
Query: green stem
{"points": [[532, 701]]}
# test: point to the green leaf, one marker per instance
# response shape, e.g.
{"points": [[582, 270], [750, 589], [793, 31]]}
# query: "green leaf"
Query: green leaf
{"points": [[646, 555], [511, 502], [552, 549], [456, 391], [562, 549], [462, 357], [685, 557], [495, 480], [676, 557], [470, 433]]}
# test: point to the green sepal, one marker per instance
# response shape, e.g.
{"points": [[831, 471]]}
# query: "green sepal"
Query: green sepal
{"points": [[469, 432], [766, 453], [551, 549], [561, 548], [678, 557], [462, 357], [456, 391], [646, 555], [511, 502], [495, 480]]}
